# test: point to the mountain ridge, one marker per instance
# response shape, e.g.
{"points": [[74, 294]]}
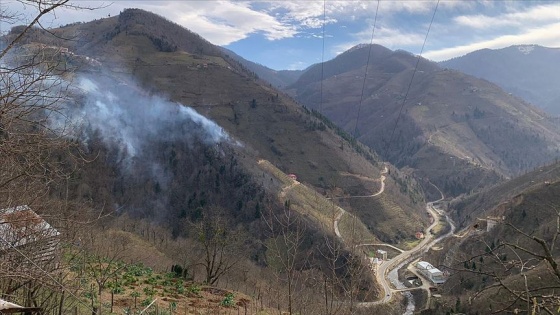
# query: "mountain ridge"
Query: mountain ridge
{"points": [[267, 125], [513, 222], [528, 71], [445, 113], [278, 78]]}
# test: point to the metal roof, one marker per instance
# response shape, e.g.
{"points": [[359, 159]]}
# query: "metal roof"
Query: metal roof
{"points": [[10, 308], [425, 265], [20, 225]]}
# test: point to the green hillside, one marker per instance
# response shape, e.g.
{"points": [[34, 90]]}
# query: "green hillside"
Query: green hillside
{"points": [[460, 132], [180, 191]]}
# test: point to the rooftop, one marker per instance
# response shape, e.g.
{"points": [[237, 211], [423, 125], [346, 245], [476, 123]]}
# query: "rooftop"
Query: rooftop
{"points": [[20, 226], [10, 308], [425, 265]]}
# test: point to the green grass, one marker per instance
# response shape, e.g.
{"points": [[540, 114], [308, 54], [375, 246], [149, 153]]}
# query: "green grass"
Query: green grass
{"points": [[406, 245], [353, 231], [136, 281], [323, 211]]}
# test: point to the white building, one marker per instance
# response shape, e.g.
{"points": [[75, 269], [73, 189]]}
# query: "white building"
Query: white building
{"points": [[430, 272], [382, 253]]}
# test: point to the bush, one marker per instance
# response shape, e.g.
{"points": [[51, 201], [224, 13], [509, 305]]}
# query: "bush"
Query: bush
{"points": [[180, 288], [194, 289], [151, 281], [149, 291], [228, 300], [146, 302]]}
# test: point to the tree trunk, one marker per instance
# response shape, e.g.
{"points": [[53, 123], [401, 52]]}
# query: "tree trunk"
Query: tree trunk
{"points": [[61, 305]]}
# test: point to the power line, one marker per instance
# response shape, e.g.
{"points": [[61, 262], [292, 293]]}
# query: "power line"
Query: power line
{"points": [[366, 72], [323, 57], [411, 79]]}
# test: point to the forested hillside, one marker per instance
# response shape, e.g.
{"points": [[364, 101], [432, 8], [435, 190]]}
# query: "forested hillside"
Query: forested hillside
{"points": [[527, 71], [460, 132], [181, 146], [505, 246]]}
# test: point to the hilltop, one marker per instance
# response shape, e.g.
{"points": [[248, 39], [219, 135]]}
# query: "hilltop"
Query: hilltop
{"points": [[180, 184], [461, 132], [266, 121], [466, 209], [531, 72]]}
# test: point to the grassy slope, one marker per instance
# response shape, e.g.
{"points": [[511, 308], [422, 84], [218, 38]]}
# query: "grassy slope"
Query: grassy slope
{"points": [[273, 127], [446, 114], [526, 202], [169, 291], [466, 209]]}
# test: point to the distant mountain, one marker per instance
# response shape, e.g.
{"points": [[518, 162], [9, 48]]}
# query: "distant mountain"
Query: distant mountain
{"points": [[531, 72], [459, 131], [279, 79], [246, 179]]}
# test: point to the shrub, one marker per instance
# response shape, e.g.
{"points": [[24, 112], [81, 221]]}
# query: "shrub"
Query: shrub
{"points": [[194, 289], [228, 300], [149, 291], [180, 288], [146, 302]]}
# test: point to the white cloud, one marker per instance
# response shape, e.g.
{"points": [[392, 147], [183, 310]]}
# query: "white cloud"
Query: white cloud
{"points": [[510, 24], [224, 22], [545, 36], [310, 13], [221, 22], [391, 38], [519, 18], [460, 26], [297, 65]]}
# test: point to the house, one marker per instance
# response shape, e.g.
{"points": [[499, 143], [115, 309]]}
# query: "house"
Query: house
{"points": [[430, 272], [492, 221], [419, 235], [20, 227], [382, 253], [292, 176]]}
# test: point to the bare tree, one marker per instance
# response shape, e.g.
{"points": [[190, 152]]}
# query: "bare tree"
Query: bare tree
{"points": [[100, 259], [520, 273], [218, 244], [332, 253], [34, 84], [32, 151], [354, 274], [286, 246]]}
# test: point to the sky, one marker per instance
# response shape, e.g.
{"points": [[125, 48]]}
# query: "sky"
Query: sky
{"points": [[291, 34]]}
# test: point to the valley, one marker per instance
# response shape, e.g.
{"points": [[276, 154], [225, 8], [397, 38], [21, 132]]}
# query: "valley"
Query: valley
{"points": [[146, 170]]}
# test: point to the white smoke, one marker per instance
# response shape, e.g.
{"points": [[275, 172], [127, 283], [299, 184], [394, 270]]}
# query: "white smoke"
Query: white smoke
{"points": [[127, 118]]}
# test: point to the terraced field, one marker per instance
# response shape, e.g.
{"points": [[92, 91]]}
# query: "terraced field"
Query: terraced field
{"points": [[311, 204]]}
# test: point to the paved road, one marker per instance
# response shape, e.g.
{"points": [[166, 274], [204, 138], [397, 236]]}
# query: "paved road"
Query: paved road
{"points": [[405, 255], [422, 247], [380, 244]]}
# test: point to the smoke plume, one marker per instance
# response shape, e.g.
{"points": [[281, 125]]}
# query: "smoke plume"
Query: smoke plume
{"points": [[128, 119]]}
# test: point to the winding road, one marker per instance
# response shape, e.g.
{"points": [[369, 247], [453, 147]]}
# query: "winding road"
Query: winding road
{"points": [[342, 211], [405, 256], [396, 263]]}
